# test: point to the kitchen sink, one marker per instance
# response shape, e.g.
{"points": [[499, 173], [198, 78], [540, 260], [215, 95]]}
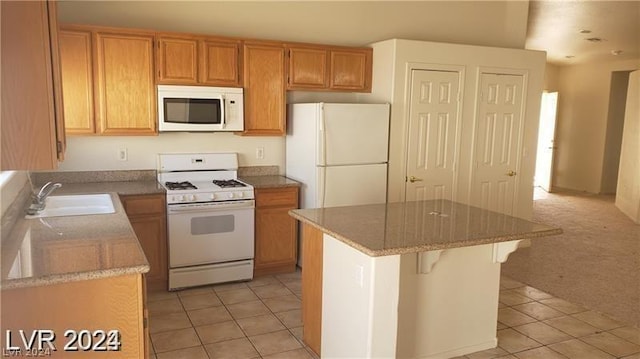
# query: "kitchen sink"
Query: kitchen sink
{"points": [[76, 205]]}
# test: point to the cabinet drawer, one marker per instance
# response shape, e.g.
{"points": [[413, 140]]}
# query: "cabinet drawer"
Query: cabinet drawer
{"points": [[277, 197], [143, 204]]}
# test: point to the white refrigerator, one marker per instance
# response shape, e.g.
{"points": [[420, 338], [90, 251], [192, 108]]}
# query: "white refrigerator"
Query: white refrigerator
{"points": [[339, 152]]}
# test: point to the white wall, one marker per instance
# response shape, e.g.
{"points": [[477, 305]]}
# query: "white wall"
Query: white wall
{"points": [[628, 195], [583, 100], [92, 153], [551, 73], [615, 128]]}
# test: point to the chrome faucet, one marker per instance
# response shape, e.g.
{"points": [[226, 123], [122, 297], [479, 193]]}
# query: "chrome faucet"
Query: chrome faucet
{"points": [[38, 202]]}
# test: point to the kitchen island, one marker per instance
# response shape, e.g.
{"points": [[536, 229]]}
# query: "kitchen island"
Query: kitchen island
{"points": [[415, 279]]}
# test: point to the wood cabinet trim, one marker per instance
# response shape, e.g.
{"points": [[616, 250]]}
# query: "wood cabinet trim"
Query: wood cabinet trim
{"points": [[312, 287]]}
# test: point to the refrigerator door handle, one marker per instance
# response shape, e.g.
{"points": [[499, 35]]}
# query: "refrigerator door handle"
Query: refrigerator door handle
{"points": [[322, 181], [323, 138]]}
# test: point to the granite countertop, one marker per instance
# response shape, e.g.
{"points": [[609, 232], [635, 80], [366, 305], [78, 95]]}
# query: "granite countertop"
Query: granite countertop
{"points": [[269, 181], [410, 227], [52, 250]]}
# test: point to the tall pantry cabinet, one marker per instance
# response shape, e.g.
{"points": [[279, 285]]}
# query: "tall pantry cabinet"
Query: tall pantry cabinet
{"points": [[32, 118], [464, 121]]}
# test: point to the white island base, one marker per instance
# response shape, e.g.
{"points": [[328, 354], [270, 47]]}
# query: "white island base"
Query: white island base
{"points": [[434, 304]]}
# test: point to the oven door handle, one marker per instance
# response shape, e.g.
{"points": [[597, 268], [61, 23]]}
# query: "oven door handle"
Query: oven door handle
{"points": [[211, 208]]}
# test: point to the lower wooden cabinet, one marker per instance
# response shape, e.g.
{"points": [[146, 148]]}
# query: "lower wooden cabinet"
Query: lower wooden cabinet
{"points": [[147, 214], [276, 246], [103, 304]]}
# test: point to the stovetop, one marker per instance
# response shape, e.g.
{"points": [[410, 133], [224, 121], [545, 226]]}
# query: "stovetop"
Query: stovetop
{"points": [[182, 189], [202, 177]]}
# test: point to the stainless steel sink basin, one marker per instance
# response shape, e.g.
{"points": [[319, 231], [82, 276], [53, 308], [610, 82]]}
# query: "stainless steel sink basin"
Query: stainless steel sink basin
{"points": [[76, 205]]}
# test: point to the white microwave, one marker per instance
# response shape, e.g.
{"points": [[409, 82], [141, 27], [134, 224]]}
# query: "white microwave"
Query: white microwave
{"points": [[200, 108]]}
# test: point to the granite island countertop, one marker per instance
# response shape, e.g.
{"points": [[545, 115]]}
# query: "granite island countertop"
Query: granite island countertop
{"points": [[43, 251], [410, 227]]}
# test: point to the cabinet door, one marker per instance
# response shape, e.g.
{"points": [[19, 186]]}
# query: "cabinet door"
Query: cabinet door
{"points": [[351, 70], [264, 89], [147, 214], [56, 68], [307, 68], [151, 232], [219, 61], [177, 61], [275, 233], [125, 84], [29, 139], [77, 81]]}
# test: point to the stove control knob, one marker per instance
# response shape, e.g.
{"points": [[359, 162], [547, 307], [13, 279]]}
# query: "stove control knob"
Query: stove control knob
{"points": [[179, 198], [192, 197], [240, 194], [213, 196], [230, 194]]}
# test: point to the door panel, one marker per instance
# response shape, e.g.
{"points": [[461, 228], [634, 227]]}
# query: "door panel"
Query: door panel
{"points": [[354, 134], [497, 139], [434, 129], [352, 185]]}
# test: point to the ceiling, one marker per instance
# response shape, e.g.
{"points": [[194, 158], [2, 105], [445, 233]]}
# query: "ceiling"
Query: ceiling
{"points": [[551, 25], [554, 26]]}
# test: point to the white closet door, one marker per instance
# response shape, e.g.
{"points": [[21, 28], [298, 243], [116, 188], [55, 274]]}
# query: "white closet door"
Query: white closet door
{"points": [[434, 132], [497, 142]]}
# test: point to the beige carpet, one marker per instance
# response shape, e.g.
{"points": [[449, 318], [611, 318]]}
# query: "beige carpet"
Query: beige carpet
{"points": [[595, 263]]}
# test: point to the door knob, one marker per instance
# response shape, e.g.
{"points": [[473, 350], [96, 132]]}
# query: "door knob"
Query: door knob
{"points": [[511, 173], [414, 179]]}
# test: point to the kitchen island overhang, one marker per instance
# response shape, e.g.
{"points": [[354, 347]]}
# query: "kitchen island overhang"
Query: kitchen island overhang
{"points": [[411, 279]]}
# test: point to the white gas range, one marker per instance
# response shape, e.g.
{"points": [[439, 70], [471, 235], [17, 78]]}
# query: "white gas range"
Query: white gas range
{"points": [[210, 219]]}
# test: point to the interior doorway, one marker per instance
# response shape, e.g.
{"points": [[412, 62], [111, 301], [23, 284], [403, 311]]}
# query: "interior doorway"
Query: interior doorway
{"points": [[546, 136]]}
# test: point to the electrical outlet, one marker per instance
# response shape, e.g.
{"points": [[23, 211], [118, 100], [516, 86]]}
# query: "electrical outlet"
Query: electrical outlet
{"points": [[122, 154], [260, 153]]}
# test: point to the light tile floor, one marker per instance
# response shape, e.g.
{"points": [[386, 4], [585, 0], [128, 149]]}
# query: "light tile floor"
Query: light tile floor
{"points": [[261, 319]]}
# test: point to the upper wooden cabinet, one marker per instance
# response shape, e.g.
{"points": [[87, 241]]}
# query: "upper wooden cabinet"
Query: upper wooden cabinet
{"points": [[264, 89], [177, 61], [350, 70], [125, 83], [32, 119], [220, 62], [195, 60], [108, 79], [307, 68], [76, 60], [329, 68]]}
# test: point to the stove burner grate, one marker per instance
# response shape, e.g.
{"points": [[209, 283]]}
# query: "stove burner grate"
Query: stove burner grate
{"points": [[228, 183], [180, 185]]}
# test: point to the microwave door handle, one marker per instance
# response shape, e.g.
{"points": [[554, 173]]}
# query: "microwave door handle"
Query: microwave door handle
{"points": [[222, 114]]}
